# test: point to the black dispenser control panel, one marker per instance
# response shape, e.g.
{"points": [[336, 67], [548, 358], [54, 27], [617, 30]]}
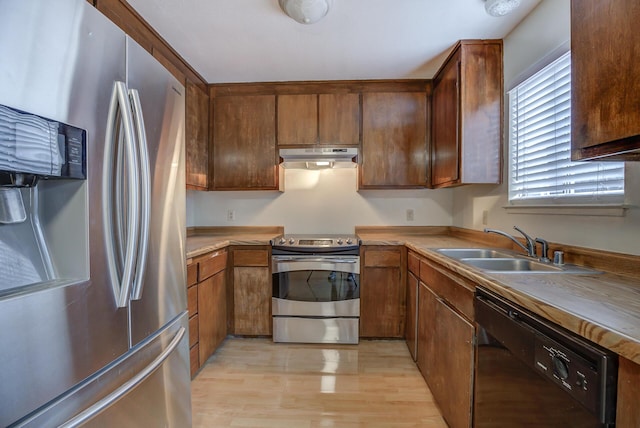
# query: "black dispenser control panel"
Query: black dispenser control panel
{"points": [[35, 147]]}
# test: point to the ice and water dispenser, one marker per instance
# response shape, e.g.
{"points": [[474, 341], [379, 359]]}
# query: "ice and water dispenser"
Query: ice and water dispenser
{"points": [[43, 202]]}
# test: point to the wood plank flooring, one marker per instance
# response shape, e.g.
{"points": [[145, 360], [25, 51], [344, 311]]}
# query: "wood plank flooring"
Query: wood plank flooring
{"points": [[258, 383]]}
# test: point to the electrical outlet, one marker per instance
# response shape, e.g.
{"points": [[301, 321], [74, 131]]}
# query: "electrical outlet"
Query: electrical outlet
{"points": [[485, 217], [410, 214], [231, 215]]}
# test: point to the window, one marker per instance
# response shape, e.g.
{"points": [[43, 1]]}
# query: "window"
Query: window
{"points": [[540, 146]]}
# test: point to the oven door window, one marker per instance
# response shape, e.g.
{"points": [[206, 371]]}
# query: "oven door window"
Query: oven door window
{"points": [[316, 286]]}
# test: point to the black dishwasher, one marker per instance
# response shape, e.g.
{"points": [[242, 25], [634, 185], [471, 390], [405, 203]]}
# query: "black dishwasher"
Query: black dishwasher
{"points": [[533, 373]]}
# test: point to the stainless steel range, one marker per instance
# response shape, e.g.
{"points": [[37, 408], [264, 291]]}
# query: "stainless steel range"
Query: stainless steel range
{"points": [[316, 288]]}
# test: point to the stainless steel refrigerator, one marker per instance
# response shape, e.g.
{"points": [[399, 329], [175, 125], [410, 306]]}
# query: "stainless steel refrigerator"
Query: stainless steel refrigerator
{"points": [[92, 268]]}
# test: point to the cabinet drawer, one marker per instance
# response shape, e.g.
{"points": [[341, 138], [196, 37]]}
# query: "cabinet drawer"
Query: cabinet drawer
{"points": [[251, 258], [413, 262], [193, 330], [194, 359], [212, 264], [382, 258], [192, 274], [192, 300], [456, 291]]}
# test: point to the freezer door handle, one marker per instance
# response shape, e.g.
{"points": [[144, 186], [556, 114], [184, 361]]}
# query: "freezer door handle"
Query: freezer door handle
{"points": [[120, 195], [126, 387], [145, 194]]}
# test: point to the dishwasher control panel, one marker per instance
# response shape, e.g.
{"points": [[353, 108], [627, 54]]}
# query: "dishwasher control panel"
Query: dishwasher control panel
{"points": [[574, 373]]}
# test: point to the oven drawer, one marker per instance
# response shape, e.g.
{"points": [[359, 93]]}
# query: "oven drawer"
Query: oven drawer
{"points": [[339, 308], [315, 330]]}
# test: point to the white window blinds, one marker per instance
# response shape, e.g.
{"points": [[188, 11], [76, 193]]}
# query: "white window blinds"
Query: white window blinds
{"points": [[540, 136]]}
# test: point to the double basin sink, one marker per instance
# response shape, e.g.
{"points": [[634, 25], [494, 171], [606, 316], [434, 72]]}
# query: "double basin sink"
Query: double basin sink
{"points": [[505, 261]]}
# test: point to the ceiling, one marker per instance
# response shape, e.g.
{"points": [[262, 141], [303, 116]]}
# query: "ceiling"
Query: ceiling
{"points": [[254, 41]]}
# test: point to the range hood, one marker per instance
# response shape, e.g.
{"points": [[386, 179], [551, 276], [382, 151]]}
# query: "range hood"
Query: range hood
{"points": [[319, 157]]}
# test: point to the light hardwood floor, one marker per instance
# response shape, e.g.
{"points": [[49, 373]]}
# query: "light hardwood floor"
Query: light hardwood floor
{"points": [[258, 383]]}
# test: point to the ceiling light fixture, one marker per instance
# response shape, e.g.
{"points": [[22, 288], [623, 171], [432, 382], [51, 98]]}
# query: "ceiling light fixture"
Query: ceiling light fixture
{"points": [[500, 7], [306, 11]]}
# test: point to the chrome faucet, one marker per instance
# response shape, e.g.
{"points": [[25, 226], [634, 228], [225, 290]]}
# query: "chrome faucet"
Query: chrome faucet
{"points": [[545, 249], [530, 248]]}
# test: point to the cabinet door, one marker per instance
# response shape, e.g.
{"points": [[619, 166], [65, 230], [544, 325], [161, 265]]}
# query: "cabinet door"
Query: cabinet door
{"points": [[445, 142], [244, 143], [452, 380], [197, 137], [339, 119], [466, 139], [212, 314], [446, 357], [252, 291], [411, 326], [252, 300], [297, 119], [394, 140], [425, 347], [628, 413], [605, 118], [382, 293]]}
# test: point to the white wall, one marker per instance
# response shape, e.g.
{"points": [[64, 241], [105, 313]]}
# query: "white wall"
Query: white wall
{"points": [[541, 33], [320, 202]]}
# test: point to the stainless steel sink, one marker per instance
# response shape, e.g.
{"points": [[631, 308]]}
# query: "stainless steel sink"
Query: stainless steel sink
{"points": [[475, 253], [500, 260], [521, 265]]}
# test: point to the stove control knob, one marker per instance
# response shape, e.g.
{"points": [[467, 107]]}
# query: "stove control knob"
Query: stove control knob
{"points": [[292, 241], [282, 241], [339, 241], [349, 241]]}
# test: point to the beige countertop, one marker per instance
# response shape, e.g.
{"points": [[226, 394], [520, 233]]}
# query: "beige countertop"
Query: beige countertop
{"points": [[604, 308], [211, 239]]}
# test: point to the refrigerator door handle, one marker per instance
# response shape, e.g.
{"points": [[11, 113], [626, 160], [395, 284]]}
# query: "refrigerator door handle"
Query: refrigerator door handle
{"points": [[121, 264], [126, 387], [145, 195]]}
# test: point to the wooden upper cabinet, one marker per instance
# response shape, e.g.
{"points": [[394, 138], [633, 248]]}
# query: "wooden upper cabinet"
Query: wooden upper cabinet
{"points": [[445, 145], [394, 140], [197, 137], [319, 119], [244, 143], [339, 119], [605, 89], [467, 112], [297, 119]]}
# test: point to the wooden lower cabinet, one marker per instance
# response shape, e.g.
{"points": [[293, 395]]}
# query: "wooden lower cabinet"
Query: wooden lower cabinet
{"points": [[411, 319], [212, 313], [425, 350], [252, 292], [382, 291], [192, 308], [411, 323], [445, 346], [628, 411], [194, 360], [207, 306]]}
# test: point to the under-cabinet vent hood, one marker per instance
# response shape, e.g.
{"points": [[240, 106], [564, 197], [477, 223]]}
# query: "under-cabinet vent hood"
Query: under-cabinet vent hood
{"points": [[319, 157]]}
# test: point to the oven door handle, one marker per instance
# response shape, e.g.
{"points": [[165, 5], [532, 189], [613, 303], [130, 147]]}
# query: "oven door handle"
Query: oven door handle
{"points": [[290, 264], [290, 259]]}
